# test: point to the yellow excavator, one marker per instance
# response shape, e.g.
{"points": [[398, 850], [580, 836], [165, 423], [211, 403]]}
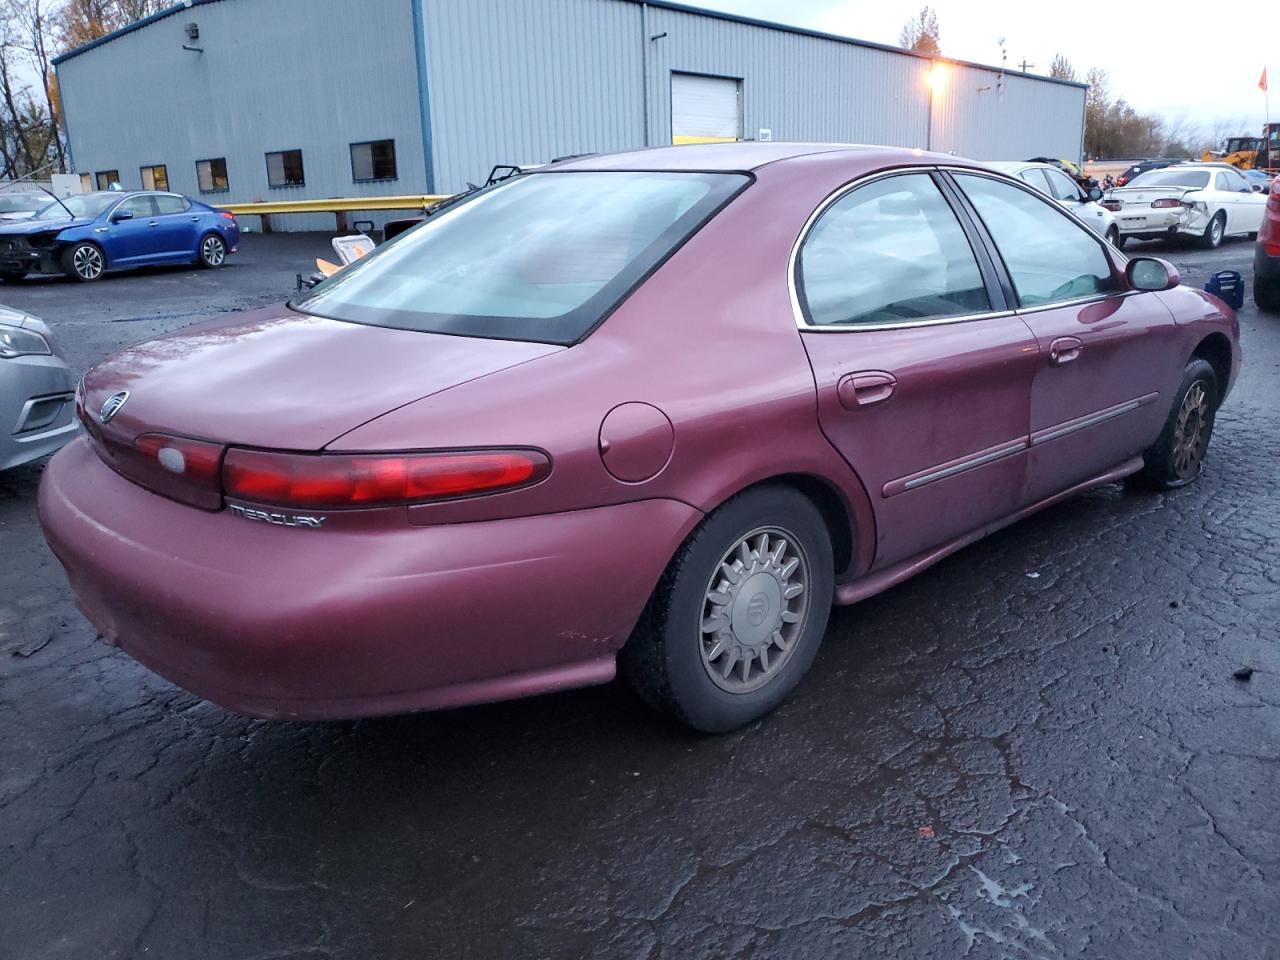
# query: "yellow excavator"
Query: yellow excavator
{"points": [[1251, 153]]}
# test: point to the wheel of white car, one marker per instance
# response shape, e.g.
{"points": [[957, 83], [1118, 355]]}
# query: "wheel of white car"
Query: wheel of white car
{"points": [[1215, 231], [1113, 236]]}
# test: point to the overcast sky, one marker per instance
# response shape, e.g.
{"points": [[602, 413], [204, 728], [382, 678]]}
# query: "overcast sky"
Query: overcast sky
{"points": [[1181, 60]]}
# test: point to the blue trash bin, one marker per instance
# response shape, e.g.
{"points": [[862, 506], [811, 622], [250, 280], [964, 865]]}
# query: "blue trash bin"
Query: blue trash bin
{"points": [[1229, 286]]}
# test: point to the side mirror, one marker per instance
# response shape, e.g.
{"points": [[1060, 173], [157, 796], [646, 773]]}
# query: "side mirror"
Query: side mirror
{"points": [[1095, 194], [121, 215], [1257, 188], [1151, 273]]}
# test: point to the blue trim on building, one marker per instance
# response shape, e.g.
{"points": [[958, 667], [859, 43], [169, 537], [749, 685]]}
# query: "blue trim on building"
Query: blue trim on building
{"points": [[130, 27], [424, 96]]}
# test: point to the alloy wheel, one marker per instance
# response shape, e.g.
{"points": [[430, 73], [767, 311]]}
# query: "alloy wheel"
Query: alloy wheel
{"points": [[87, 261], [214, 251], [754, 610], [1191, 435], [1215, 231]]}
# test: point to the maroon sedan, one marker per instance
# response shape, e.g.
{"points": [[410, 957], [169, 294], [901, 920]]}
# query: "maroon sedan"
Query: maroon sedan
{"points": [[659, 408]]}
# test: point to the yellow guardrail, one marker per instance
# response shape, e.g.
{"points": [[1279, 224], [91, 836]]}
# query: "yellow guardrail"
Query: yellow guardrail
{"points": [[333, 205]]}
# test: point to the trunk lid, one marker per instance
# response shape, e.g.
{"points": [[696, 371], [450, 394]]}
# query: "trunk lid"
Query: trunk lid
{"points": [[280, 379]]}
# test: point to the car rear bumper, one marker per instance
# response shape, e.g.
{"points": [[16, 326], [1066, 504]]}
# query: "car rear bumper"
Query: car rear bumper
{"points": [[296, 623], [1153, 224], [37, 408]]}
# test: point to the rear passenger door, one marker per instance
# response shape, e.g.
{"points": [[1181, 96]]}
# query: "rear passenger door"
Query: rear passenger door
{"points": [[1100, 383], [177, 227], [923, 375]]}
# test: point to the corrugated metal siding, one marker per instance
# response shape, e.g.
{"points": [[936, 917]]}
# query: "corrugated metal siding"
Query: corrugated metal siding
{"points": [[525, 82], [973, 117], [796, 86], [313, 75]]}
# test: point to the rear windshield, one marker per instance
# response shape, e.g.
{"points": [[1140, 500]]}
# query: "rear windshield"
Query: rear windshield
{"points": [[539, 257], [1172, 178]]}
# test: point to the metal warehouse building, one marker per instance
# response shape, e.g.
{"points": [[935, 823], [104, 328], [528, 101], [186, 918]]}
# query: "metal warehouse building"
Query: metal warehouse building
{"points": [[244, 100]]}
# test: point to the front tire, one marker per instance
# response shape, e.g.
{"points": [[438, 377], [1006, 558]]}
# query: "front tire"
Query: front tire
{"points": [[1175, 459], [1214, 232], [84, 262], [213, 251], [739, 613]]}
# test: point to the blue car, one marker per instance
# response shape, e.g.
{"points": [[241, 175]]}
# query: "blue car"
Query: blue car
{"points": [[86, 235]]}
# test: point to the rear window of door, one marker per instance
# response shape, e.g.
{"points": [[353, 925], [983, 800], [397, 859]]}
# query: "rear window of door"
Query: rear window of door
{"points": [[169, 204], [891, 251], [1049, 256]]}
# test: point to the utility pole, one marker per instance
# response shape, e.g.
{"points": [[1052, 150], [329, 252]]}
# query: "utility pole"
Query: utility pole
{"points": [[1024, 66]]}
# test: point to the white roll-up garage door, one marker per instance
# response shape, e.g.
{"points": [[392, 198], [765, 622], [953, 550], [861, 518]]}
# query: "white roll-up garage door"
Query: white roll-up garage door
{"points": [[705, 108]]}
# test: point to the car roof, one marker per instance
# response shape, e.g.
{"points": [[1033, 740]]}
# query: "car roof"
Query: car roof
{"points": [[740, 156]]}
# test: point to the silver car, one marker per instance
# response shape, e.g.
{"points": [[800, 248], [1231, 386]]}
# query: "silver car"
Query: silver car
{"points": [[37, 391], [1052, 182]]}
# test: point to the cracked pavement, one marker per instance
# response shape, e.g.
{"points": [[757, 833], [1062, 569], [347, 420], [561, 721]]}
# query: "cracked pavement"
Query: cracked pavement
{"points": [[1035, 749]]}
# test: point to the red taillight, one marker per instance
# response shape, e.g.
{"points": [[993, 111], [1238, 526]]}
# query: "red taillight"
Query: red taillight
{"points": [[195, 461], [1112, 205], [1272, 249], [228, 215], [333, 481], [1166, 202]]}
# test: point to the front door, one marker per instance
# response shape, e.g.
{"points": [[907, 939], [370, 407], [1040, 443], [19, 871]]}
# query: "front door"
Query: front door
{"points": [[135, 238], [1103, 357], [923, 376]]}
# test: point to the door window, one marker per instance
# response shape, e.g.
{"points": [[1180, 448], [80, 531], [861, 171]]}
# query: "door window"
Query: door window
{"points": [[1048, 255], [169, 204], [1035, 177], [889, 252], [1235, 183], [139, 206], [1062, 186]]}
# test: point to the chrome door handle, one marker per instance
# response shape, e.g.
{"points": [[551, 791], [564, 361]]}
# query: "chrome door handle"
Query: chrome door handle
{"points": [[865, 388], [195, 219], [1063, 350], [154, 223]]}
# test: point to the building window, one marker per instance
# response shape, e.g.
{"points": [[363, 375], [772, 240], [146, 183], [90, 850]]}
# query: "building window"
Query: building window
{"points": [[374, 160], [86, 182], [284, 169], [211, 175], [106, 178], [155, 178]]}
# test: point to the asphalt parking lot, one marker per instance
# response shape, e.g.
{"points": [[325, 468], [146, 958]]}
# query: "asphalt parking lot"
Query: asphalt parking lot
{"points": [[1036, 749]]}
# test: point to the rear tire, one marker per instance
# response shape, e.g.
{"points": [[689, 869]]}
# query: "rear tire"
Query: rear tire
{"points": [[84, 262], [1214, 232], [1266, 294], [739, 613], [213, 251], [1176, 457]]}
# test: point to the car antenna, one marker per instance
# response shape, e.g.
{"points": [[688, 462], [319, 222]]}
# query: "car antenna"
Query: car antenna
{"points": [[40, 186]]}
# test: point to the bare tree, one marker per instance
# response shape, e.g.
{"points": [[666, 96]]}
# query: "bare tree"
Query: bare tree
{"points": [[1061, 68], [922, 34]]}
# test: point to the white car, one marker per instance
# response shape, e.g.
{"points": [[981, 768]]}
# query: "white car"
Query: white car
{"points": [[1206, 201], [1052, 182]]}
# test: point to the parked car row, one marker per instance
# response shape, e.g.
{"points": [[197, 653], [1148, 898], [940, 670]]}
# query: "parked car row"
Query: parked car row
{"points": [[87, 235]]}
